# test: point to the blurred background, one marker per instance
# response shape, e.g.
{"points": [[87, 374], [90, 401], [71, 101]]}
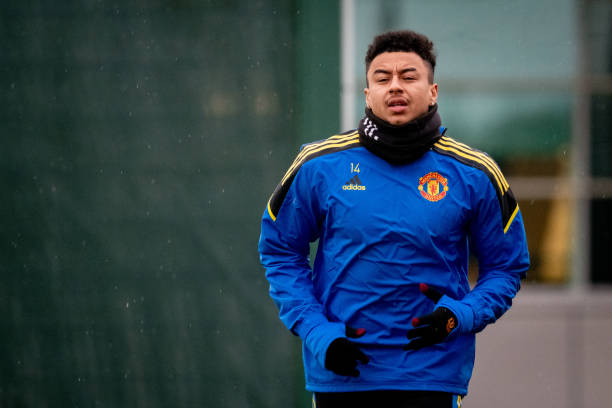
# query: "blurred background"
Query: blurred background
{"points": [[140, 141]]}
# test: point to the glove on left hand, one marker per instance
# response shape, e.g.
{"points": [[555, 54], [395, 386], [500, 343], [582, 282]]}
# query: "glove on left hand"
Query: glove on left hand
{"points": [[432, 328], [343, 355]]}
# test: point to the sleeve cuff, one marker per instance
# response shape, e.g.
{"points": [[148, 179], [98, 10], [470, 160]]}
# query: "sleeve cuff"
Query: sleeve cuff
{"points": [[318, 336], [463, 313]]}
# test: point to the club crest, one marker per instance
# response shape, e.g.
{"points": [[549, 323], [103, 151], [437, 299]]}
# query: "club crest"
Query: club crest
{"points": [[433, 186]]}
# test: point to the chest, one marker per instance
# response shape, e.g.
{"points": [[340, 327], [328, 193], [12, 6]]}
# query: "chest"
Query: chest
{"points": [[413, 203]]}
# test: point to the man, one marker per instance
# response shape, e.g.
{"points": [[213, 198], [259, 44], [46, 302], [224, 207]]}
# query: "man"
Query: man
{"points": [[386, 315]]}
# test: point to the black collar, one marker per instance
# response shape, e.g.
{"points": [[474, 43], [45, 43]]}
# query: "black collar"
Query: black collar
{"points": [[400, 144]]}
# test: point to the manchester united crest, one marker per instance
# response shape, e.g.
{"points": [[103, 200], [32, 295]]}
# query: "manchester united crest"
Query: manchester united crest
{"points": [[433, 186]]}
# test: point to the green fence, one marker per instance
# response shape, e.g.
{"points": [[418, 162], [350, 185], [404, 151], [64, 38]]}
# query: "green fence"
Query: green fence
{"points": [[140, 142]]}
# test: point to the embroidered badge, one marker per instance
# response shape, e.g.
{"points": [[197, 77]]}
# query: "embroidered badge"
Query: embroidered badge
{"points": [[433, 186]]}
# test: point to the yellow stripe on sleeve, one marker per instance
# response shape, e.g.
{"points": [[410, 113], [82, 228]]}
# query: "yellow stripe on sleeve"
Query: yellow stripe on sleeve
{"points": [[270, 211], [511, 219]]}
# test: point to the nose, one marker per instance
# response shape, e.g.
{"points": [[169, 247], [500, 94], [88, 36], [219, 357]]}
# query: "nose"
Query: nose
{"points": [[394, 85]]}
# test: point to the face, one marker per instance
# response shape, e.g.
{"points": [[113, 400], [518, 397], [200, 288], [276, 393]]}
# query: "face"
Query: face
{"points": [[398, 87]]}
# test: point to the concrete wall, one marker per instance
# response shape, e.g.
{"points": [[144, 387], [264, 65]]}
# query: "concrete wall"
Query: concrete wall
{"points": [[552, 349]]}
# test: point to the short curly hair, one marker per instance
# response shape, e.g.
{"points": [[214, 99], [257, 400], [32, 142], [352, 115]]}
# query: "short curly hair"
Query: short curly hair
{"points": [[403, 41]]}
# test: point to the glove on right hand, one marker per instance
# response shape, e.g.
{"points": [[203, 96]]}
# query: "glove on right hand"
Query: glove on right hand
{"points": [[343, 355], [433, 328]]}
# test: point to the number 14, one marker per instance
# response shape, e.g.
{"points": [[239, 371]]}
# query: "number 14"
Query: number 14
{"points": [[355, 168]]}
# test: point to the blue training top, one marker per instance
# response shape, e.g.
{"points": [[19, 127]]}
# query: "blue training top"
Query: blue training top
{"points": [[382, 230]]}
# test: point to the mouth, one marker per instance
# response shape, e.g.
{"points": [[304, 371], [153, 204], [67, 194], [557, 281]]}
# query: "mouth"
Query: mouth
{"points": [[397, 105]]}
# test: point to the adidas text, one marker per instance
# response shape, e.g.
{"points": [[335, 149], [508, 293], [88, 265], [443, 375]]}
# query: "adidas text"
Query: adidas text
{"points": [[353, 187]]}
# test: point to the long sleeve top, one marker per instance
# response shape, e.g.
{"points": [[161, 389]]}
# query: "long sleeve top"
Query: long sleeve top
{"points": [[382, 229]]}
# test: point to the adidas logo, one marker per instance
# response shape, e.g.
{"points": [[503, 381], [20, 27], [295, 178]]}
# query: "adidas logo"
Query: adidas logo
{"points": [[353, 184]]}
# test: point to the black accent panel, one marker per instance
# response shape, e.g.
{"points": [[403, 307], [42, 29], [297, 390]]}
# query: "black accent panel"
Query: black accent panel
{"points": [[508, 205]]}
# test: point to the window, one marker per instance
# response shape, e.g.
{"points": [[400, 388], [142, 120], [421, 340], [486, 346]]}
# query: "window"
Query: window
{"points": [[534, 96]]}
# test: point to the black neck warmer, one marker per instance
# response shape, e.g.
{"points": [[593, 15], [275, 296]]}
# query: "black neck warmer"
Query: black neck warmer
{"points": [[400, 144]]}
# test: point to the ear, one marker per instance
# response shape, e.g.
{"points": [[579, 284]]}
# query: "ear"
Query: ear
{"points": [[366, 92], [433, 94]]}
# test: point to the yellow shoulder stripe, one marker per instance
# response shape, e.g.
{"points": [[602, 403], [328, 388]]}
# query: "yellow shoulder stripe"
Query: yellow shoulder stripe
{"points": [[475, 157], [310, 147], [334, 141], [333, 144], [492, 166], [483, 156], [472, 157]]}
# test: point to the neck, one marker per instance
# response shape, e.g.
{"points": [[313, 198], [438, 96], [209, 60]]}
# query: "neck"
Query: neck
{"points": [[400, 144]]}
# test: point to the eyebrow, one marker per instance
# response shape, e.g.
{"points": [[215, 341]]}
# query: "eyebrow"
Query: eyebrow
{"points": [[403, 71]]}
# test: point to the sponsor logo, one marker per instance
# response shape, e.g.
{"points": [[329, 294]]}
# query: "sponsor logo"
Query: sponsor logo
{"points": [[354, 184], [433, 186]]}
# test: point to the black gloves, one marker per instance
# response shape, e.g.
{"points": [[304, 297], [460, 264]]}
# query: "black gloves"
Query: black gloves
{"points": [[432, 328], [342, 355]]}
